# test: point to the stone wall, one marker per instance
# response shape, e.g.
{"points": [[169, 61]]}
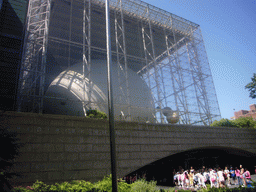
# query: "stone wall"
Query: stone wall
{"points": [[62, 148]]}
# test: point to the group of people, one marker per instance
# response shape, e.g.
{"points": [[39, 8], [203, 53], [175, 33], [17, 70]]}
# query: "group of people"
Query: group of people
{"points": [[216, 177]]}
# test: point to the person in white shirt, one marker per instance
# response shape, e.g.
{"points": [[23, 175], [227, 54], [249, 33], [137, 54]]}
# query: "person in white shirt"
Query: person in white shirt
{"points": [[221, 177], [213, 178], [226, 173]]}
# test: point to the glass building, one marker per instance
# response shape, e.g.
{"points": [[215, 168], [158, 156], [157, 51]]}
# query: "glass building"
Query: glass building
{"points": [[161, 72], [12, 20]]}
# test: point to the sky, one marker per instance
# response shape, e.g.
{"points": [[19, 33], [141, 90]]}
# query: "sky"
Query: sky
{"points": [[228, 28]]}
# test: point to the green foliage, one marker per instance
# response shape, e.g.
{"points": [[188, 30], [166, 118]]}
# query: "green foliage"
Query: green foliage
{"points": [[142, 185], [95, 114], [73, 186], [242, 122], [106, 185], [8, 138], [252, 87], [40, 186], [224, 123], [245, 122]]}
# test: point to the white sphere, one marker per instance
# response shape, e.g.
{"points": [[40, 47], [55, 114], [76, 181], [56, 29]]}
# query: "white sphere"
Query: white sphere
{"points": [[69, 85]]}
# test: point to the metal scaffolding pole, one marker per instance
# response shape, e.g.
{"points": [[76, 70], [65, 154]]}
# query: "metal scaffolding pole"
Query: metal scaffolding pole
{"points": [[148, 44], [122, 56], [87, 54]]}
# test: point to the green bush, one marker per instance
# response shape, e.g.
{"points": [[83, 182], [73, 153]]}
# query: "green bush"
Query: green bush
{"points": [[95, 114], [141, 185], [106, 185]]}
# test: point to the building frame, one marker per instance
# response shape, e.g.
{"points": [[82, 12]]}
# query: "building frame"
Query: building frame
{"points": [[165, 50]]}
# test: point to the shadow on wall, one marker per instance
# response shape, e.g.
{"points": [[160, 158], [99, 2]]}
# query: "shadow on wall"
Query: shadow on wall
{"points": [[212, 157]]}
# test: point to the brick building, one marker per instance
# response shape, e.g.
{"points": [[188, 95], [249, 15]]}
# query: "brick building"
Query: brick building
{"points": [[245, 113]]}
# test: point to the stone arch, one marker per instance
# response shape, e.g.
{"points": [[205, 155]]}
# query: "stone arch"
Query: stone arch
{"points": [[162, 169]]}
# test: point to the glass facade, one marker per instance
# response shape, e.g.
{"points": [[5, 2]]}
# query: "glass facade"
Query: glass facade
{"points": [[161, 70]]}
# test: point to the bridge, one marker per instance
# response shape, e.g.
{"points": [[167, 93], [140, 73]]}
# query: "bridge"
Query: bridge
{"points": [[61, 148]]}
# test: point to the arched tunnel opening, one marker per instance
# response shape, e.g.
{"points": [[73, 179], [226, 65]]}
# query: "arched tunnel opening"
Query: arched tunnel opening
{"points": [[162, 170]]}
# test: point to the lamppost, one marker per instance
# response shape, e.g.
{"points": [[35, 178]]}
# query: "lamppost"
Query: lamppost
{"points": [[110, 102]]}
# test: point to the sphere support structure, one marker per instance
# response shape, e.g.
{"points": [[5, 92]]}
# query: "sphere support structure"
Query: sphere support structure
{"points": [[166, 51]]}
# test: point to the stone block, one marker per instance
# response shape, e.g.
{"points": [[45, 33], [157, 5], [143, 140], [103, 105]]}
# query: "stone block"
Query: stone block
{"points": [[28, 156], [100, 132], [71, 131], [55, 176], [91, 173], [94, 156], [29, 177], [57, 156], [78, 148], [26, 148], [20, 167], [72, 139], [101, 148], [58, 148], [158, 140], [38, 157], [41, 130], [129, 163], [57, 123], [56, 130], [124, 155], [153, 148], [72, 156], [85, 156], [95, 139], [78, 165], [71, 175], [96, 123], [69, 165], [124, 148], [25, 129], [104, 164], [140, 140], [46, 166], [123, 140], [57, 139], [42, 139]]}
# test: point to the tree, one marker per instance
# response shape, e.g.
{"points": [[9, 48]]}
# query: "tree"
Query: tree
{"points": [[242, 122], [245, 122], [252, 87], [224, 123]]}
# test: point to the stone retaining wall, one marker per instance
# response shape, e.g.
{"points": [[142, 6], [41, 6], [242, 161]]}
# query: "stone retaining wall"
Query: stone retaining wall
{"points": [[63, 148]]}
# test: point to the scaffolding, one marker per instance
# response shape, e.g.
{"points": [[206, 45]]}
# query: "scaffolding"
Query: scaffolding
{"points": [[164, 50]]}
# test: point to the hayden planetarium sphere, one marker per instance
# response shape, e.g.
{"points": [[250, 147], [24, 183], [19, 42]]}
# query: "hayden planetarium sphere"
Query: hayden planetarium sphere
{"points": [[69, 84]]}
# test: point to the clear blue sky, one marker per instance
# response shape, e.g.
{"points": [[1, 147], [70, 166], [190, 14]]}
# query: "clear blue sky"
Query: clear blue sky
{"points": [[229, 29]]}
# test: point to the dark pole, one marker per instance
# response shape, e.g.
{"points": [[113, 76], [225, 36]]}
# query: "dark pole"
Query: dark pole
{"points": [[110, 102]]}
